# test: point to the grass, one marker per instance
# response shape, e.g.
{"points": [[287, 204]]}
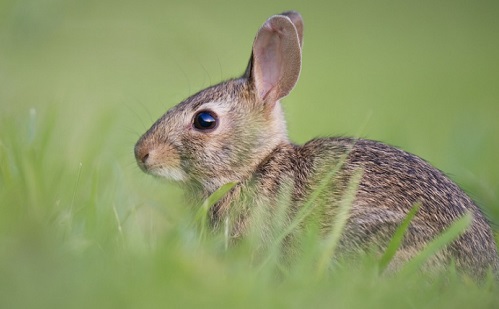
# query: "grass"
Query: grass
{"points": [[82, 226]]}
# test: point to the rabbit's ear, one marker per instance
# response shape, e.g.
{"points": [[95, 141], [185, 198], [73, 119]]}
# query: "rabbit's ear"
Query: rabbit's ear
{"points": [[297, 20], [275, 63]]}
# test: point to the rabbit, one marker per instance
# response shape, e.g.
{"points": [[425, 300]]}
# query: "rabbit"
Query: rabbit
{"points": [[235, 131]]}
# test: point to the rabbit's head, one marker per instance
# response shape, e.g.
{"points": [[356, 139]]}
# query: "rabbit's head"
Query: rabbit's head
{"points": [[222, 133]]}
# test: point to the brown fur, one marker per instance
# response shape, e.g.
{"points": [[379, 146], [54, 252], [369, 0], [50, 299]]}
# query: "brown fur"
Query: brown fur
{"points": [[250, 147]]}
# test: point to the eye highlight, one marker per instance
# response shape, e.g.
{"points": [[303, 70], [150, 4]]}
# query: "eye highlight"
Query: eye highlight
{"points": [[205, 120]]}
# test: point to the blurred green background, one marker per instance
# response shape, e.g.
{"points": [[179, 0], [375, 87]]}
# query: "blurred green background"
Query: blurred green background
{"points": [[80, 81]]}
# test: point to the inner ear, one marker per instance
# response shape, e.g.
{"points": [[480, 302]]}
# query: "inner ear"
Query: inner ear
{"points": [[275, 64]]}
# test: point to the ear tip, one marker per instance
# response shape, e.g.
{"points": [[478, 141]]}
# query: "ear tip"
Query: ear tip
{"points": [[278, 22], [297, 21], [292, 15]]}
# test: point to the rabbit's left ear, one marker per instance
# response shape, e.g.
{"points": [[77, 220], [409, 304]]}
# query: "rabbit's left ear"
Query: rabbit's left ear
{"points": [[275, 62]]}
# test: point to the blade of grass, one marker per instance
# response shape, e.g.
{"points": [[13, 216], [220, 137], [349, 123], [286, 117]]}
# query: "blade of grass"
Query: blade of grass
{"points": [[119, 226], [304, 211], [202, 214], [444, 239], [310, 204], [75, 189], [340, 221], [397, 238]]}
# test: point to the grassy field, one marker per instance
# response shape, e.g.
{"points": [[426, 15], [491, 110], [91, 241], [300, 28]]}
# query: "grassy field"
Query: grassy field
{"points": [[82, 226]]}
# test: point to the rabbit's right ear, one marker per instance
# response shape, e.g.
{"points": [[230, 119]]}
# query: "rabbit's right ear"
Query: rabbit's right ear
{"points": [[275, 62]]}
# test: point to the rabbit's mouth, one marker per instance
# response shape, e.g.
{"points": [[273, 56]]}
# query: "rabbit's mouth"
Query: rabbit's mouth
{"points": [[162, 169], [170, 173]]}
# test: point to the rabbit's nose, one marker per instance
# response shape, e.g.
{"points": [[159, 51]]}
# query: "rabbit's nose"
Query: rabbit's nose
{"points": [[143, 158], [141, 154]]}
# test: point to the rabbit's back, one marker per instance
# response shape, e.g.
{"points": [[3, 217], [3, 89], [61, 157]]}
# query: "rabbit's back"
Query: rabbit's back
{"points": [[392, 182]]}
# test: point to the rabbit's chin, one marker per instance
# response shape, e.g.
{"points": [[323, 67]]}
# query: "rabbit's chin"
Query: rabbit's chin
{"points": [[169, 173]]}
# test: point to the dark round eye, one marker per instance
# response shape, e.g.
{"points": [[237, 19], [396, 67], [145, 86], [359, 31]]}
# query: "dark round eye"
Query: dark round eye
{"points": [[205, 120]]}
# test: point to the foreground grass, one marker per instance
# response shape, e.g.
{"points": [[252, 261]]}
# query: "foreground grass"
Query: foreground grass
{"points": [[81, 226], [81, 237]]}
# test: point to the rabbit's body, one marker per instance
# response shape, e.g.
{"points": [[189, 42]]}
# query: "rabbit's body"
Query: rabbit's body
{"points": [[392, 182], [235, 132]]}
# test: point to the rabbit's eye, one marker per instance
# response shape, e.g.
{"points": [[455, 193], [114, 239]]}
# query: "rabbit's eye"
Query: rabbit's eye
{"points": [[205, 120]]}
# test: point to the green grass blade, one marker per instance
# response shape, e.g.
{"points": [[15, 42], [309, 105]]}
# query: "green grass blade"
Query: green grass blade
{"points": [[339, 222], [304, 211], [202, 214], [307, 208], [397, 238], [444, 239]]}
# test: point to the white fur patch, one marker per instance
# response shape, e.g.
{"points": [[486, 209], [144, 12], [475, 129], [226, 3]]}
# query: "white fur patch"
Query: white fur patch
{"points": [[171, 173]]}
